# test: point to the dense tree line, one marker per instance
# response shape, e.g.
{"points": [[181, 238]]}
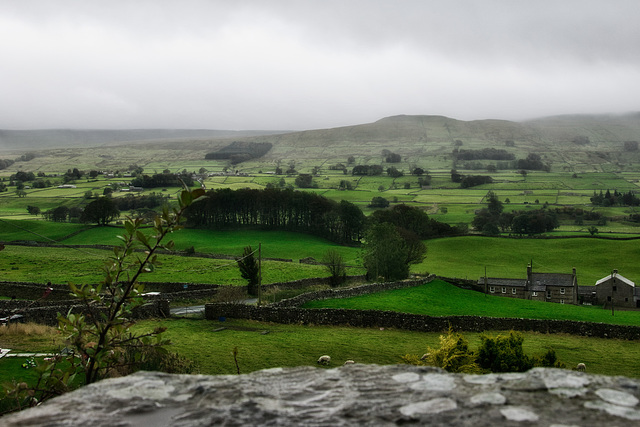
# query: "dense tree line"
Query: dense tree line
{"points": [[532, 162], [475, 180], [483, 154], [5, 163], [491, 220], [390, 157], [615, 198], [240, 151], [414, 220], [163, 180], [131, 202], [369, 170], [279, 209]]}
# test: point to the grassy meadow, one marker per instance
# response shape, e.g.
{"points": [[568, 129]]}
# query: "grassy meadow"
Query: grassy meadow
{"points": [[267, 345]]}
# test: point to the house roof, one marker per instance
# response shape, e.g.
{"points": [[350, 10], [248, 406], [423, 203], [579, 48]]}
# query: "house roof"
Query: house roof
{"points": [[495, 281], [618, 277], [586, 290], [552, 279]]}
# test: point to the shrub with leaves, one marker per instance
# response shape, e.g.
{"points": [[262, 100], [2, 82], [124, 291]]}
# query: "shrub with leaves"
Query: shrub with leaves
{"points": [[453, 355], [100, 336], [503, 353]]}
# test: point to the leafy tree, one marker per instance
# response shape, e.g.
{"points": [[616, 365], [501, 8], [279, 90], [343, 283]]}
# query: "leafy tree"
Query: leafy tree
{"points": [[101, 211], [249, 270], [304, 180], [33, 210], [23, 176], [335, 265], [379, 202], [58, 214], [455, 176], [93, 173], [417, 171], [101, 336], [385, 253], [631, 146], [394, 173]]}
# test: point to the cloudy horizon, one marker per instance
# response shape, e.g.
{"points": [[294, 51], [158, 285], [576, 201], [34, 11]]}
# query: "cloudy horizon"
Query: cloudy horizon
{"points": [[295, 65]]}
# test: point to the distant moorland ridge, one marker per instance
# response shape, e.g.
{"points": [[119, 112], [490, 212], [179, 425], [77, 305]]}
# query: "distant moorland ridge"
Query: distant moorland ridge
{"points": [[607, 128]]}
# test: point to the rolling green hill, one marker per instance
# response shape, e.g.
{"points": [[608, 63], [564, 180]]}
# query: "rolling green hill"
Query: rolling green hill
{"points": [[424, 140]]}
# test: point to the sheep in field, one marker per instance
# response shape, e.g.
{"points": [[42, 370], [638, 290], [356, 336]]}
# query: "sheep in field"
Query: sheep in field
{"points": [[349, 362], [581, 367], [324, 360]]}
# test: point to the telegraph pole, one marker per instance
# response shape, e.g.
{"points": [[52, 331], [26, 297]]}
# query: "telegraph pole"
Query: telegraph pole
{"points": [[260, 273]]}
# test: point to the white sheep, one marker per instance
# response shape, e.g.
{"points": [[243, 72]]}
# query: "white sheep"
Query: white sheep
{"points": [[581, 367], [425, 356], [349, 362], [324, 360]]}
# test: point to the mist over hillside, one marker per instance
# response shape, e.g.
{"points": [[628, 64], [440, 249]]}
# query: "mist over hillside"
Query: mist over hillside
{"points": [[64, 138], [413, 136]]}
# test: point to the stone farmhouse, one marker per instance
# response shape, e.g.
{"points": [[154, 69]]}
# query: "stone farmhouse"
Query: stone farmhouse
{"points": [[614, 288], [550, 287]]}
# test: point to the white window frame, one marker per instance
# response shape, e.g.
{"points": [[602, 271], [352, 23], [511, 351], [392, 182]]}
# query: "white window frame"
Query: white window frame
{"points": [[513, 291], [561, 291], [492, 289], [504, 290], [561, 301], [534, 294]]}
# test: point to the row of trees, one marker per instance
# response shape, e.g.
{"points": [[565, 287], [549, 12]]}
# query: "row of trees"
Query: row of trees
{"points": [[492, 220], [163, 180], [615, 198], [302, 211], [485, 153]]}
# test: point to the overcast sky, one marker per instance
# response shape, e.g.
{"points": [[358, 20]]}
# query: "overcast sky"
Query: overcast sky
{"points": [[298, 64]]}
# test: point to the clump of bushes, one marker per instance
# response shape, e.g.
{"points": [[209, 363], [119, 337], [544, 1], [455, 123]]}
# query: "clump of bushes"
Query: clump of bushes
{"points": [[501, 353]]}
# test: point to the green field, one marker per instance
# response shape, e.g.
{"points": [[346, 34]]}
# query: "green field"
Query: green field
{"points": [[459, 257], [467, 257], [66, 265], [439, 298], [295, 345]]}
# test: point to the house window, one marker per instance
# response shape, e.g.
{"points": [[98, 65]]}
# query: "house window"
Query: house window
{"points": [[534, 294], [562, 291], [513, 291], [504, 290], [548, 294], [626, 300], [608, 298], [615, 288], [492, 289], [561, 301]]}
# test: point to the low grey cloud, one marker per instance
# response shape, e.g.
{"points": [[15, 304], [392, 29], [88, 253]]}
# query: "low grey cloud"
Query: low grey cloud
{"points": [[251, 64]]}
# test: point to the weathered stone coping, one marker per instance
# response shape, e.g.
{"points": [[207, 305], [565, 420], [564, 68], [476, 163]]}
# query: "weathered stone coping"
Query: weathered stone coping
{"points": [[353, 395]]}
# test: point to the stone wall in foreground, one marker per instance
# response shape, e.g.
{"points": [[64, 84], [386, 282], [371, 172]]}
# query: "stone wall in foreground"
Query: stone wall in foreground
{"points": [[353, 395]]}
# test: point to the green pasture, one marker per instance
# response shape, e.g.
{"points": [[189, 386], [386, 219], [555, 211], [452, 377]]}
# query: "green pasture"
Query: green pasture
{"points": [[439, 298], [467, 257], [295, 345], [64, 265], [37, 230], [275, 244]]}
